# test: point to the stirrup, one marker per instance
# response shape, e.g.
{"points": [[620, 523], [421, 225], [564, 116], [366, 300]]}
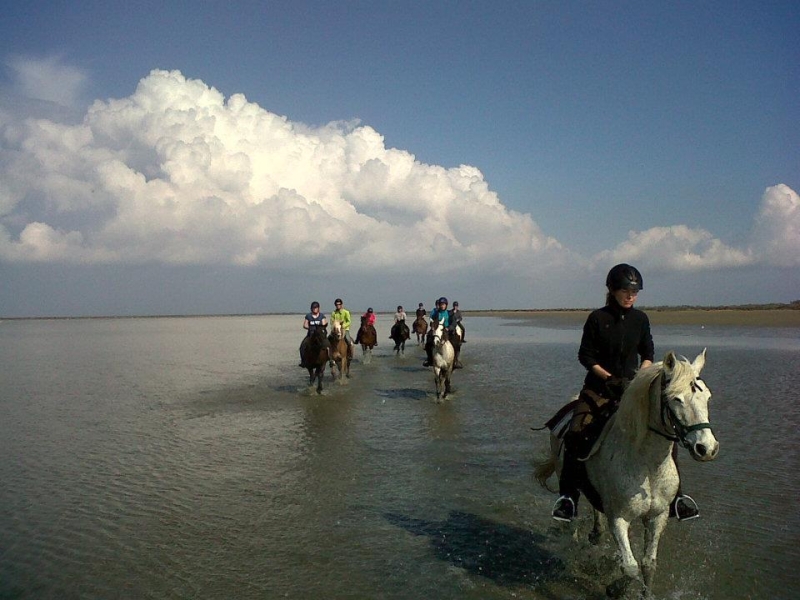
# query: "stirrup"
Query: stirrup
{"points": [[564, 509], [685, 508]]}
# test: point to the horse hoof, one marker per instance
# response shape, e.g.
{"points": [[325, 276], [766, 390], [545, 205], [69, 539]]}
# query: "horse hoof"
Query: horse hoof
{"points": [[622, 588]]}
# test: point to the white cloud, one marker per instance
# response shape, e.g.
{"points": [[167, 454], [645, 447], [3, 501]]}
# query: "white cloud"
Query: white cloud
{"points": [[676, 248], [776, 234], [47, 79], [774, 241], [177, 174]]}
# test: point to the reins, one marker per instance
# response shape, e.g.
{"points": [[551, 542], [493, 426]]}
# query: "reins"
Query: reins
{"points": [[671, 421]]}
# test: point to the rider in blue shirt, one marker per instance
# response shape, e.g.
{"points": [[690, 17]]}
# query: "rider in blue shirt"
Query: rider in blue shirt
{"points": [[440, 314]]}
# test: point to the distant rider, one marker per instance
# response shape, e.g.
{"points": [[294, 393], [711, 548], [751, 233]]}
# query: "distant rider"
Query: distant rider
{"points": [[311, 321], [342, 315], [368, 318], [441, 315]]}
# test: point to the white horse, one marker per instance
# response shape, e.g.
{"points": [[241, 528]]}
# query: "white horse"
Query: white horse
{"points": [[631, 465], [444, 358]]}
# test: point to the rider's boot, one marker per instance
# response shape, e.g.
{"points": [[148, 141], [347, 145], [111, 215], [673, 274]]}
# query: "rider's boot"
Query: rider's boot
{"points": [[684, 508], [429, 351], [566, 507]]}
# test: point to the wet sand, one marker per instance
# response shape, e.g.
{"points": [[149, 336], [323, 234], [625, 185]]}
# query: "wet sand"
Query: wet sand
{"points": [[695, 316]]}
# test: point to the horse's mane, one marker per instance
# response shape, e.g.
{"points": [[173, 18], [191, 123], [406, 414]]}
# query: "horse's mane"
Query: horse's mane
{"points": [[633, 414]]}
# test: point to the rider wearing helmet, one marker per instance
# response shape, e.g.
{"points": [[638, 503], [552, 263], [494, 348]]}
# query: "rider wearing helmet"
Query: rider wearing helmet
{"points": [[311, 321], [343, 315], [421, 312], [441, 315], [368, 318], [616, 342], [400, 315]]}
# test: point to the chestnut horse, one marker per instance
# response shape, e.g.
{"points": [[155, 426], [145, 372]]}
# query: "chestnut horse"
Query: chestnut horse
{"points": [[340, 352], [420, 327], [367, 337]]}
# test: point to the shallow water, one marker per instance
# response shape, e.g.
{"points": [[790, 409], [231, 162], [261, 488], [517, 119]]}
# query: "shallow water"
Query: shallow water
{"points": [[186, 457]]}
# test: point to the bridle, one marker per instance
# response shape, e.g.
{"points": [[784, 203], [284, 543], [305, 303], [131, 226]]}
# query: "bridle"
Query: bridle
{"points": [[671, 422]]}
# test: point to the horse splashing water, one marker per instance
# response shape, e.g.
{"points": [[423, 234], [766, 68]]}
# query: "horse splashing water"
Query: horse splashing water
{"points": [[443, 359], [630, 467], [367, 337], [340, 352], [316, 354], [400, 333]]}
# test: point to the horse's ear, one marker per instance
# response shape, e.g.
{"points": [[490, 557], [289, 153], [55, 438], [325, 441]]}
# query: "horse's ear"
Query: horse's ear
{"points": [[699, 363], [669, 362]]}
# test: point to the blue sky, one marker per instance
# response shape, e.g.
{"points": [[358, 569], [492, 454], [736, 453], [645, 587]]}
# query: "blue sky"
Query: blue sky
{"points": [[662, 134]]}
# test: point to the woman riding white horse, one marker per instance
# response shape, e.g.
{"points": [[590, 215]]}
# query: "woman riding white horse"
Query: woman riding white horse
{"points": [[614, 338], [630, 471]]}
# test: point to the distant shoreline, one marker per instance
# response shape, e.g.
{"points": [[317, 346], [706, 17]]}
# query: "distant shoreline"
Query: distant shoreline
{"points": [[784, 316], [769, 315]]}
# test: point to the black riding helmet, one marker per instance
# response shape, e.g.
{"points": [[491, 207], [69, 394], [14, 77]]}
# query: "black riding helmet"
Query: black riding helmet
{"points": [[442, 300], [314, 305], [624, 277]]}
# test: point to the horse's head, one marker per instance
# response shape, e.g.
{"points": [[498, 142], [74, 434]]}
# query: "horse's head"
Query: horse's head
{"points": [[684, 401], [439, 332], [318, 333], [337, 330]]}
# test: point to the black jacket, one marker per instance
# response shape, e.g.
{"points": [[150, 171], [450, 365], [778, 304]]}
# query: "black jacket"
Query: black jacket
{"points": [[616, 339]]}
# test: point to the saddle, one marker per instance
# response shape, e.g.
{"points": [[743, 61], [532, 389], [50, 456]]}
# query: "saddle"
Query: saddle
{"points": [[593, 412]]}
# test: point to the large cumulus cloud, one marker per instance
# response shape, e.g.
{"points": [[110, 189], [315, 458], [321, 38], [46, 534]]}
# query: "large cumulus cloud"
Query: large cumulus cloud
{"points": [[177, 174]]}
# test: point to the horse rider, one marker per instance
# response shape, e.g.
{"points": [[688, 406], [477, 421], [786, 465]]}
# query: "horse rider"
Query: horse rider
{"points": [[368, 318], [456, 321], [616, 340], [440, 314], [311, 321], [399, 317], [342, 315], [421, 312]]}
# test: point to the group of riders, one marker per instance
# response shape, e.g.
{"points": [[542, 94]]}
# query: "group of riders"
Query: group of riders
{"points": [[451, 319], [616, 342]]}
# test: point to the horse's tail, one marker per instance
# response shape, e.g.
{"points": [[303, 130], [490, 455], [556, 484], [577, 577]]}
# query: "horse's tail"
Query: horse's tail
{"points": [[544, 468]]}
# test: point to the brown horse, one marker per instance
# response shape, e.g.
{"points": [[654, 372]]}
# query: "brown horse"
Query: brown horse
{"points": [[400, 334], [368, 338], [340, 352], [420, 327], [316, 354]]}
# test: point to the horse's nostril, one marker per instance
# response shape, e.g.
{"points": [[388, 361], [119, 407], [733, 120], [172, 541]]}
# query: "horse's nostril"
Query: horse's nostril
{"points": [[700, 449]]}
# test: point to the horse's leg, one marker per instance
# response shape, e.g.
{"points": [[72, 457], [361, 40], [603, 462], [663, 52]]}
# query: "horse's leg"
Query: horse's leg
{"points": [[653, 527], [620, 529], [446, 383], [437, 380], [320, 375], [598, 528]]}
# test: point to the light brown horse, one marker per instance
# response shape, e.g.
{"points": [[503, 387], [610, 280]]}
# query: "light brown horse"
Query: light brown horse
{"points": [[420, 327], [367, 337], [340, 352], [316, 354]]}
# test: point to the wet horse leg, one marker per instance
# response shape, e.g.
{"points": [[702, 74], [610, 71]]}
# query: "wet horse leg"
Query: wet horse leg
{"points": [[620, 529], [654, 527]]}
